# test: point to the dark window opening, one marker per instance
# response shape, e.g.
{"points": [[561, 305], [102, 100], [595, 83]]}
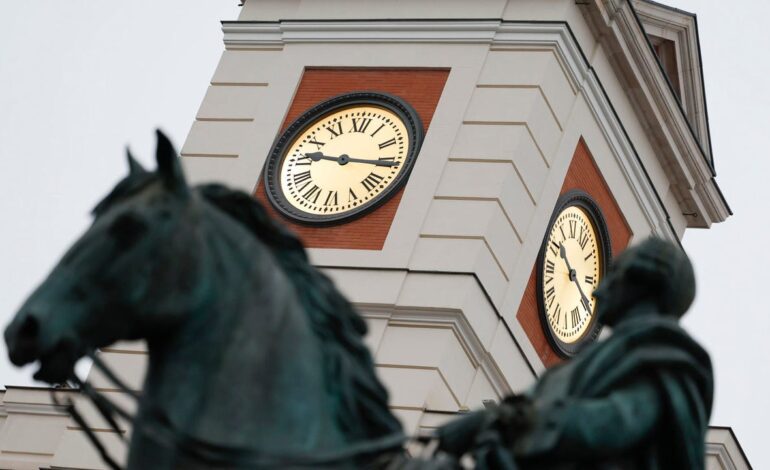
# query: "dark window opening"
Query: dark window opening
{"points": [[666, 52]]}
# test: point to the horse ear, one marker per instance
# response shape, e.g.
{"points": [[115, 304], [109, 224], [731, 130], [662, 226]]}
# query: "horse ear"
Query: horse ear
{"points": [[134, 168], [169, 169]]}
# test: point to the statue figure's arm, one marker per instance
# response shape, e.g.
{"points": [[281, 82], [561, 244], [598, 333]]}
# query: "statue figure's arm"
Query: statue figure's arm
{"points": [[610, 425], [600, 427]]}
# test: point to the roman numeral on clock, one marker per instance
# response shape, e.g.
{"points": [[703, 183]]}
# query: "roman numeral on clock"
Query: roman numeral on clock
{"points": [[301, 177], [335, 129], [575, 314], [549, 292], [371, 181], [549, 266], [351, 195], [572, 228], [313, 192], [377, 130], [550, 295], [554, 248], [586, 305], [331, 199], [317, 143], [583, 239], [557, 313], [590, 280], [360, 124], [388, 143]]}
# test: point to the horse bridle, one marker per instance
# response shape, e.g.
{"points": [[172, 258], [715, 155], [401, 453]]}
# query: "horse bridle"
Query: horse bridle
{"points": [[205, 452]]}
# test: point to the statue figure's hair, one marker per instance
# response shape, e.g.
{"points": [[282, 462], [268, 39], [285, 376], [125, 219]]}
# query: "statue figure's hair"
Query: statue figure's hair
{"points": [[665, 270], [361, 402]]}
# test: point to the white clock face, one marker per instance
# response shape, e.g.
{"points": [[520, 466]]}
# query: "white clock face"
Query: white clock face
{"points": [[344, 160], [572, 261], [343, 157], [571, 272]]}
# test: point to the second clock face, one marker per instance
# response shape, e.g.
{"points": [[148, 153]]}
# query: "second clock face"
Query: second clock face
{"points": [[571, 266], [342, 160]]}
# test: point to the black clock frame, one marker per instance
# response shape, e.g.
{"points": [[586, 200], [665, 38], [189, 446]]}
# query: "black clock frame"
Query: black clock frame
{"points": [[584, 201], [272, 170]]}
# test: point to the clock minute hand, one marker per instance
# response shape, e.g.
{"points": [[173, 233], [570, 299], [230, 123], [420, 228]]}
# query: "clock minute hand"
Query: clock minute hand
{"points": [[372, 162], [573, 278], [344, 159]]}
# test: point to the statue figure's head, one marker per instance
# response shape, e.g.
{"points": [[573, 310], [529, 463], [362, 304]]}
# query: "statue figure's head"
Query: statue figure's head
{"points": [[654, 271]]}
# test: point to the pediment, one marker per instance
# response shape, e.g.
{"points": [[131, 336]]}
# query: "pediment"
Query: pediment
{"points": [[673, 34]]}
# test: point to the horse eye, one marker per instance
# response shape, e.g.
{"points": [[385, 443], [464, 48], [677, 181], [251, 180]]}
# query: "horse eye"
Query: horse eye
{"points": [[127, 229]]}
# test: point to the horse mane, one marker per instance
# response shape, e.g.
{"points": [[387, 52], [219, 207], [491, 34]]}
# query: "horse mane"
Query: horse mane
{"points": [[360, 401]]}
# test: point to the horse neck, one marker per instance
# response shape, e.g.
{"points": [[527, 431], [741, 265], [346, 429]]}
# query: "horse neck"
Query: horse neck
{"points": [[245, 358]]}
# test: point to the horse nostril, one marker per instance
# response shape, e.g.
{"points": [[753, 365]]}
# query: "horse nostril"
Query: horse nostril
{"points": [[29, 328]]}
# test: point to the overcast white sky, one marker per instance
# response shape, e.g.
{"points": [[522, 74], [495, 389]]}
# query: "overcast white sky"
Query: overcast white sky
{"points": [[80, 79]]}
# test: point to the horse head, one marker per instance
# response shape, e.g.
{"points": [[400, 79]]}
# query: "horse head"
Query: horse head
{"points": [[115, 282]]}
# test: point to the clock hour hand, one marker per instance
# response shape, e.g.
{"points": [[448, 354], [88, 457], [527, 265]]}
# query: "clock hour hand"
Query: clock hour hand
{"points": [[563, 255], [344, 159], [318, 156], [573, 278]]}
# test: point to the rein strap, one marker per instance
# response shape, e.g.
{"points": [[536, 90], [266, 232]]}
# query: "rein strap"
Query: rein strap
{"points": [[206, 452]]}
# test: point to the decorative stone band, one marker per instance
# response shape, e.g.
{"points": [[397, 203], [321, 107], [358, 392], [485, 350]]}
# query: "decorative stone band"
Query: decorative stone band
{"points": [[693, 183]]}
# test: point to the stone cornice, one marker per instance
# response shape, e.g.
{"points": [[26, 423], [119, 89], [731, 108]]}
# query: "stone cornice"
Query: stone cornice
{"points": [[238, 33], [720, 452], [692, 175], [723, 445]]}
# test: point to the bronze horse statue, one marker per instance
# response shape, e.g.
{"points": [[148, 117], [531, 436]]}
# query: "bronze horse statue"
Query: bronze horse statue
{"points": [[254, 356], [257, 361]]}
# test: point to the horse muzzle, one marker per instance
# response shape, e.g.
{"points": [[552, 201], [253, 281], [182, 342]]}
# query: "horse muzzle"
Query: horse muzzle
{"points": [[23, 339]]}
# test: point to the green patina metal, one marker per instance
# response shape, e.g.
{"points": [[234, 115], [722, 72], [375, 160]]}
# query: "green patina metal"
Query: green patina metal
{"points": [[253, 352], [257, 361], [640, 399]]}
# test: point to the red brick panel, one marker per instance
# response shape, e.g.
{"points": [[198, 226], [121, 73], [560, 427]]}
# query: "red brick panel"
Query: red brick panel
{"points": [[419, 87], [582, 174]]}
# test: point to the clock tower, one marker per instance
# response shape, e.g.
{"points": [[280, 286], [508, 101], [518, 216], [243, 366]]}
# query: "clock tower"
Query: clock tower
{"points": [[464, 171], [465, 175]]}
